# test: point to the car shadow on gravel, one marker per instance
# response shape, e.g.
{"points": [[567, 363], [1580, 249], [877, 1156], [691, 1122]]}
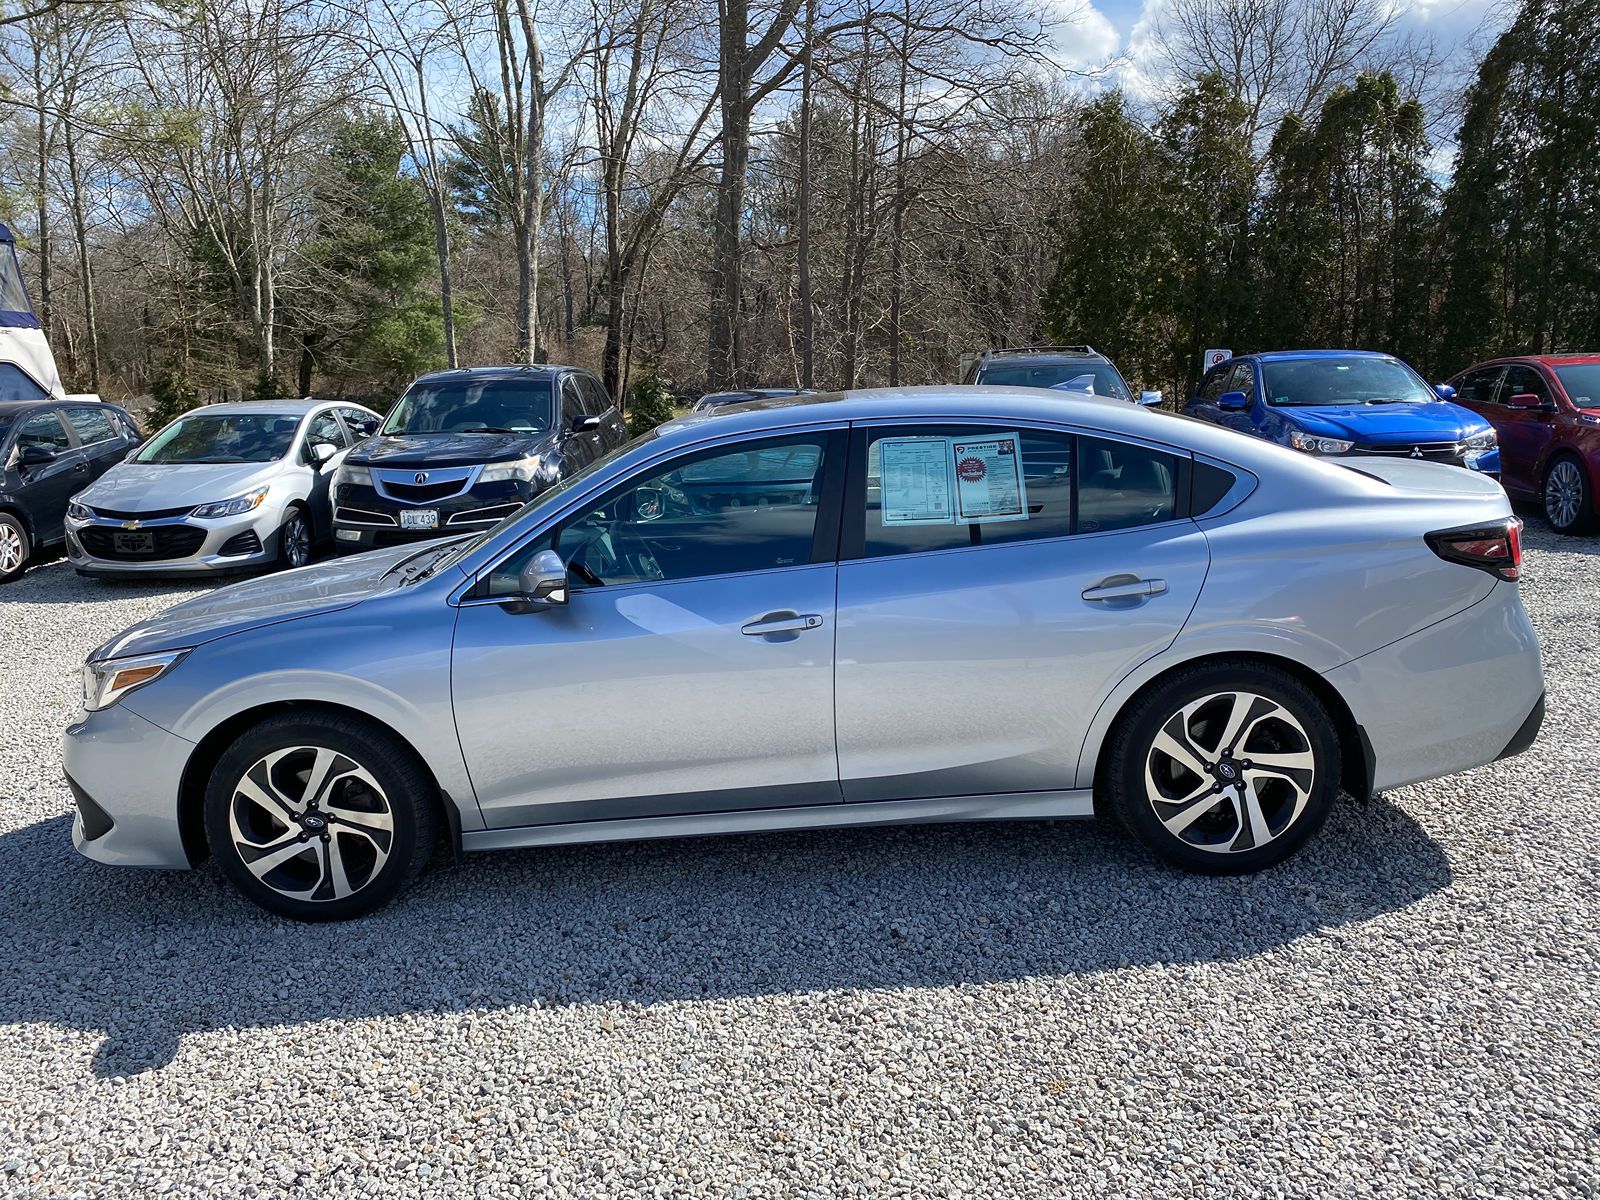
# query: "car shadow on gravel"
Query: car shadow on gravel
{"points": [[146, 957]]}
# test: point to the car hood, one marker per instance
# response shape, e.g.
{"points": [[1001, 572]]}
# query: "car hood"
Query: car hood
{"points": [[446, 449], [324, 587], [1381, 424], [151, 487]]}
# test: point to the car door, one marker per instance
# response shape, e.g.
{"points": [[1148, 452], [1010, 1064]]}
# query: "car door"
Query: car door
{"points": [[46, 487], [578, 450], [323, 427], [104, 443], [972, 654], [687, 673], [1525, 433]]}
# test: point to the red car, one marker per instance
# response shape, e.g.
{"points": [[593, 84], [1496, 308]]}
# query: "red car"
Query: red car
{"points": [[1546, 409]]}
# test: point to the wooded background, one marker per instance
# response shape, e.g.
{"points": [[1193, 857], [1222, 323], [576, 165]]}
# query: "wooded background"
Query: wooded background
{"points": [[288, 196]]}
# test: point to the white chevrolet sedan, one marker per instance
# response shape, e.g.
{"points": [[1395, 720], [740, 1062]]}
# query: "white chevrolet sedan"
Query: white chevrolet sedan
{"points": [[228, 487]]}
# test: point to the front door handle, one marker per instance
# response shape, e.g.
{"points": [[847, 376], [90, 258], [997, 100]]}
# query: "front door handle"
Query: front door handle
{"points": [[781, 622], [81, 467], [1125, 589]]}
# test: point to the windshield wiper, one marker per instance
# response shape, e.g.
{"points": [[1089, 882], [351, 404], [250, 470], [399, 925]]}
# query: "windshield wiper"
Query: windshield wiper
{"points": [[494, 429]]}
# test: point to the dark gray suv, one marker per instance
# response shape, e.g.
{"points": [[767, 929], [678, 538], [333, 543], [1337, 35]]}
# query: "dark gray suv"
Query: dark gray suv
{"points": [[463, 449], [1064, 368]]}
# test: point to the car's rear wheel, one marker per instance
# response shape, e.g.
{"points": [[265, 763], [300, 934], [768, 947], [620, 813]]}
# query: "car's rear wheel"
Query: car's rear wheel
{"points": [[1568, 502], [14, 547], [1224, 768], [294, 539], [320, 817]]}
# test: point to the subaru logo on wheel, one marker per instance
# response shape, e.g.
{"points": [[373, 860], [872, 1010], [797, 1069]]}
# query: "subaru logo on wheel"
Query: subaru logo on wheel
{"points": [[421, 477]]}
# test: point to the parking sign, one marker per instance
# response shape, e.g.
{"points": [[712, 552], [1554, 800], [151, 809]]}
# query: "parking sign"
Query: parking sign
{"points": [[1213, 357]]}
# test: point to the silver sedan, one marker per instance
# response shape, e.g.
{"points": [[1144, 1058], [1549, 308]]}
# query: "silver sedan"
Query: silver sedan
{"points": [[227, 487], [947, 604]]}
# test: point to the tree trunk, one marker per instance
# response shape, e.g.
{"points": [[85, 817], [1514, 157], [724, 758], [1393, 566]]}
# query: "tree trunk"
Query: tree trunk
{"points": [[808, 321], [43, 151], [85, 268]]}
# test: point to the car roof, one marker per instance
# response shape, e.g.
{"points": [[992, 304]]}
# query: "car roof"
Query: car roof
{"points": [[11, 407], [502, 371], [275, 408], [1287, 355], [1027, 358], [1549, 360]]}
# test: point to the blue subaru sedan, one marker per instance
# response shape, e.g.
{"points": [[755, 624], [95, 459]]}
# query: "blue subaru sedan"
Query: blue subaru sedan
{"points": [[1344, 402]]}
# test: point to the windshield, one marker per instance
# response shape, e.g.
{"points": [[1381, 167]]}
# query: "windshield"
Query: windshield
{"points": [[1099, 379], [1582, 381], [16, 384], [498, 405], [222, 438], [1298, 382], [550, 494]]}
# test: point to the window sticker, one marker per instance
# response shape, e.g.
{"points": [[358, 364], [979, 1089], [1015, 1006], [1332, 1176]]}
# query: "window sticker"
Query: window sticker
{"points": [[989, 481], [915, 481]]}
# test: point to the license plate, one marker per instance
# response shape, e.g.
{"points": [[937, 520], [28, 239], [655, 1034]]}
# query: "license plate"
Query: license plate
{"points": [[419, 518], [134, 543]]}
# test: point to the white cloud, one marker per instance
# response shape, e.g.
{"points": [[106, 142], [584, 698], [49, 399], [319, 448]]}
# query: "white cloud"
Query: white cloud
{"points": [[1083, 38]]}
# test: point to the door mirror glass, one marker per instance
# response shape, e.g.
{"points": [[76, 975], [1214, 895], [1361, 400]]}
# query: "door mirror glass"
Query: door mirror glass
{"points": [[1149, 399], [321, 452], [542, 582], [1444, 391], [585, 424], [649, 503], [1525, 400], [1233, 402]]}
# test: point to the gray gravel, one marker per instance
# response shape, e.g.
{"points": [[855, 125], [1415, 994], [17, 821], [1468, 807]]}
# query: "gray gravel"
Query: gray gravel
{"points": [[1412, 1007]]}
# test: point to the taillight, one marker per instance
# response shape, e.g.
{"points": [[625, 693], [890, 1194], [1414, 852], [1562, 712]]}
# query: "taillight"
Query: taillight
{"points": [[1495, 548]]}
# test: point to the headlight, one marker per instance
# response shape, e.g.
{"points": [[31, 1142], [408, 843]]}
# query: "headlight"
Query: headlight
{"points": [[1481, 440], [525, 470], [352, 474], [107, 681], [232, 508], [78, 511], [1312, 444]]}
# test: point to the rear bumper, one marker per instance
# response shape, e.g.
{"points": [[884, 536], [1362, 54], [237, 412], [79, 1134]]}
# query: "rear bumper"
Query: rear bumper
{"points": [[125, 774], [1461, 693]]}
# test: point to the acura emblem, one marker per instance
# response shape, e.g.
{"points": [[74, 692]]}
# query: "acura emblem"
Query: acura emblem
{"points": [[422, 477], [1416, 452]]}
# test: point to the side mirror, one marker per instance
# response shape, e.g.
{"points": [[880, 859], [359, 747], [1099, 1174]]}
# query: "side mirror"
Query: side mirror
{"points": [[542, 582], [321, 452], [1149, 399], [1524, 400], [1233, 402], [585, 424], [35, 455], [1444, 391]]}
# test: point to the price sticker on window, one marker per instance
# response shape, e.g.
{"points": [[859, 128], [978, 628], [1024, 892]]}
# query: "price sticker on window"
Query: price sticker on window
{"points": [[990, 485], [915, 481]]}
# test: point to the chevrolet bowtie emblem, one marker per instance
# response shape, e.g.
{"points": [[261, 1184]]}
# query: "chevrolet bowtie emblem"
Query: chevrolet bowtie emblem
{"points": [[130, 524]]}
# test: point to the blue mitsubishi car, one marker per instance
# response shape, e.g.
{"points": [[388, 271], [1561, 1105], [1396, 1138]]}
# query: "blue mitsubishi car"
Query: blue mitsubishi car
{"points": [[1346, 403]]}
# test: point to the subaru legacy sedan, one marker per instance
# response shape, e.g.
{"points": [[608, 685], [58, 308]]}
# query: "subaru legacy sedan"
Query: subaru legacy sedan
{"points": [[939, 604]]}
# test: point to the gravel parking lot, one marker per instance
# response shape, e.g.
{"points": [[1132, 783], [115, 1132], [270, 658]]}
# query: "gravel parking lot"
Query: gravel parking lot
{"points": [[1411, 1007]]}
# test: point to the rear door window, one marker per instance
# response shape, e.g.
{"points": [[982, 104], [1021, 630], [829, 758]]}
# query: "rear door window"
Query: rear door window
{"points": [[93, 425]]}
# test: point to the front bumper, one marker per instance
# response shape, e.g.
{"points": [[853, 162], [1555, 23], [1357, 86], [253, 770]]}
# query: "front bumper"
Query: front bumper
{"points": [[1454, 454], [183, 545], [365, 518], [1461, 693], [125, 774]]}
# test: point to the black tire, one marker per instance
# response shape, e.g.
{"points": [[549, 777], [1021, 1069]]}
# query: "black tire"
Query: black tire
{"points": [[1219, 839], [1566, 480], [374, 868], [15, 548], [296, 516]]}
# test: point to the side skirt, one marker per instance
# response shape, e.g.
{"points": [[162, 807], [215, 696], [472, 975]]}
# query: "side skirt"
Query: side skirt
{"points": [[1022, 806]]}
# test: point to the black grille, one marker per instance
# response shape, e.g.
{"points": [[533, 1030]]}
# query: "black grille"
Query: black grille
{"points": [[362, 516], [166, 541], [242, 543], [414, 493], [1432, 451], [96, 821], [117, 514], [482, 516]]}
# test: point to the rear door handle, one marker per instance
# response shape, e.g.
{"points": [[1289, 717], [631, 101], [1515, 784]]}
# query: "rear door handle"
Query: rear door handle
{"points": [[781, 622], [1130, 589]]}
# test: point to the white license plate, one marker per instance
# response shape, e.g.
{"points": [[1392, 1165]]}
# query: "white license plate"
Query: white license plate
{"points": [[419, 518]]}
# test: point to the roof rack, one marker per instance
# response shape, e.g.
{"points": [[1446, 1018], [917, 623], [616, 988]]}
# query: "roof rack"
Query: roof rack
{"points": [[1085, 350]]}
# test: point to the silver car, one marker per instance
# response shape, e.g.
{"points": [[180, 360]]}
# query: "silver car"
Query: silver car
{"points": [[228, 487], [943, 604]]}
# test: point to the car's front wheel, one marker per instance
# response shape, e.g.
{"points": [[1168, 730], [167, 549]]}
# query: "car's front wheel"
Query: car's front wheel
{"points": [[1568, 504], [320, 817], [1225, 768], [294, 539]]}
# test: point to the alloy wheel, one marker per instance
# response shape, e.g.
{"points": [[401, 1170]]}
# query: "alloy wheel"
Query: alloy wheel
{"points": [[1230, 772], [296, 541], [1563, 494], [311, 823], [10, 549]]}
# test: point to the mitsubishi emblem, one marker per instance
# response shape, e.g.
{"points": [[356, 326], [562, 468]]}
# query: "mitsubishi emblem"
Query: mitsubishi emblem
{"points": [[421, 477], [1416, 452]]}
